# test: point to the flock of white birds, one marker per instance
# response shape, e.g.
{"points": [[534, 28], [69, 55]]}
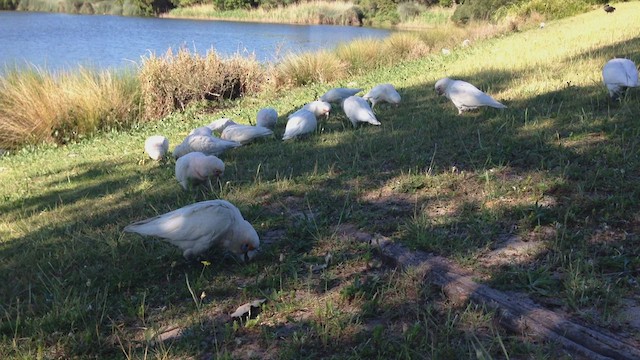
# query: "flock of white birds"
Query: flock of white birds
{"points": [[197, 227]]}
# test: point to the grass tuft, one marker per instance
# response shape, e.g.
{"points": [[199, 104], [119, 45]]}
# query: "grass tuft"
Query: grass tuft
{"points": [[37, 106], [307, 68], [172, 81]]}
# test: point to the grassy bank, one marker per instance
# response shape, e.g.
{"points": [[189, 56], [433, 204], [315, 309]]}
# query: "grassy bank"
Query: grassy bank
{"points": [[540, 198], [39, 106]]}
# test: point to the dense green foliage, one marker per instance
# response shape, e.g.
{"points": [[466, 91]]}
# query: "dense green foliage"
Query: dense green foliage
{"points": [[110, 7], [495, 9]]}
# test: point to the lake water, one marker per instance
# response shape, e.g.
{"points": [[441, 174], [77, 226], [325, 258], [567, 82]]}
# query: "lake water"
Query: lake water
{"points": [[63, 41]]}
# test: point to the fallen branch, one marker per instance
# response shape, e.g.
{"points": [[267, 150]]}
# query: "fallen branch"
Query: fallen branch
{"points": [[516, 313]]}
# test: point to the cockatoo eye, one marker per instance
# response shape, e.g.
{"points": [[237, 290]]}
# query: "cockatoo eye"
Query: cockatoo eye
{"points": [[247, 247]]}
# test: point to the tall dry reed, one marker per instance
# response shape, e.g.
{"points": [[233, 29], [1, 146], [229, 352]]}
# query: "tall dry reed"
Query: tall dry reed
{"points": [[38, 106], [307, 68], [172, 81]]}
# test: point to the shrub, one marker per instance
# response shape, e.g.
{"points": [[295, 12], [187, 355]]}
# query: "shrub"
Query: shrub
{"points": [[8, 4], [232, 4], [479, 10], [380, 11], [554, 9], [171, 82], [495, 9], [352, 16], [408, 10]]}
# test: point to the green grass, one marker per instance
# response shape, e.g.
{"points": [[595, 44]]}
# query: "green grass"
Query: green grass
{"points": [[558, 169]]}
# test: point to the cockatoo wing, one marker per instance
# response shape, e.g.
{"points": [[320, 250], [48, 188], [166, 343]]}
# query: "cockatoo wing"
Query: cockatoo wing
{"points": [[156, 146], [383, 93], [193, 228], [202, 130], [463, 94], [300, 123], [196, 167], [267, 117], [620, 72], [208, 145], [357, 110], [318, 108], [244, 134], [338, 94], [220, 124]]}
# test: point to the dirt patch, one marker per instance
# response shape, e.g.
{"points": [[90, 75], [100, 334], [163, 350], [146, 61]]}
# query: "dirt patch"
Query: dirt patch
{"points": [[511, 249]]}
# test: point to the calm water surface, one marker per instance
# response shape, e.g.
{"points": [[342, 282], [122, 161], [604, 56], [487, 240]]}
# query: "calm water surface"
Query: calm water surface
{"points": [[62, 41]]}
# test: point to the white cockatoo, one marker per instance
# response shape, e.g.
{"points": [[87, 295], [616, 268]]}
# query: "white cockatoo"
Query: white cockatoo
{"points": [[244, 134], [464, 95], [358, 110], [618, 75], [300, 123], [382, 93], [197, 168], [202, 130], [337, 95], [267, 117], [156, 146], [206, 144], [318, 108], [220, 124], [197, 227]]}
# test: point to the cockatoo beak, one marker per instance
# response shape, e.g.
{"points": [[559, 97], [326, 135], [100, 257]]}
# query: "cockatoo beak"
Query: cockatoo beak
{"points": [[249, 255]]}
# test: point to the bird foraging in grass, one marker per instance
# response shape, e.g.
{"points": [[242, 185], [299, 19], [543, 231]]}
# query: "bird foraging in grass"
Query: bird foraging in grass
{"points": [[618, 75], [382, 93], [318, 108], [464, 95], [267, 117], [242, 134], [358, 110], [337, 95], [300, 123], [609, 9], [197, 227], [156, 147], [206, 144], [196, 168]]}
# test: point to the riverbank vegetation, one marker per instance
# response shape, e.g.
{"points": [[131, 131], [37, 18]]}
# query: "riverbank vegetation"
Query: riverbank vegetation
{"points": [[75, 105], [419, 13], [37, 106], [91, 7], [539, 200], [381, 13]]}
